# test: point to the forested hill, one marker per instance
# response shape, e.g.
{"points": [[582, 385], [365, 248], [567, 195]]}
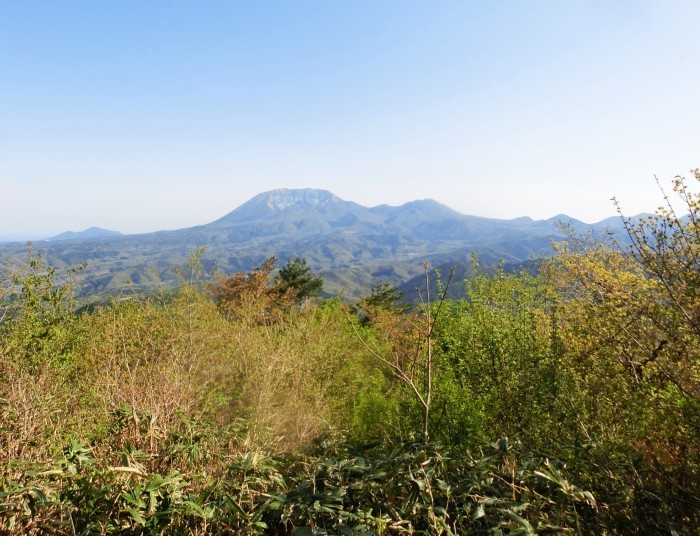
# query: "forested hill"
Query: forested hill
{"points": [[563, 400], [350, 245]]}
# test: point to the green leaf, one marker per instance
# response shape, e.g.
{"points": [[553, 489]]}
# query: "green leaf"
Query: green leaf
{"points": [[193, 507], [420, 482], [136, 516], [525, 527]]}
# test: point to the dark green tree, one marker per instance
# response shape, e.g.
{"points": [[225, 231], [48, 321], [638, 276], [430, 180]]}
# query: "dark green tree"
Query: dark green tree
{"points": [[383, 298], [385, 295], [296, 275]]}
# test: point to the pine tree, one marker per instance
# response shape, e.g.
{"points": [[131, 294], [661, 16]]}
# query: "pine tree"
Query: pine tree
{"points": [[296, 275]]}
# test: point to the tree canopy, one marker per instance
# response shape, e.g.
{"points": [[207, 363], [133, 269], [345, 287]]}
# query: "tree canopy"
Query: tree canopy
{"points": [[296, 275]]}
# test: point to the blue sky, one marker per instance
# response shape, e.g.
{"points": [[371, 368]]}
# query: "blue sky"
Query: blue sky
{"points": [[146, 115]]}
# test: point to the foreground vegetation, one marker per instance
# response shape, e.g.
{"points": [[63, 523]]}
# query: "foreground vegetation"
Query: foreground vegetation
{"points": [[565, 401]]}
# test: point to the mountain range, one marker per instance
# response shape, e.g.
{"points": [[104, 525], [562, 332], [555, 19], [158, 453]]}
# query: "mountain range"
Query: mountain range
{"points": [[352, 246], [91, 232]]}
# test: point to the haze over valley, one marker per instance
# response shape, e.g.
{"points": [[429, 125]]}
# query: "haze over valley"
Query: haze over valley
{"points": [[353, 247]]}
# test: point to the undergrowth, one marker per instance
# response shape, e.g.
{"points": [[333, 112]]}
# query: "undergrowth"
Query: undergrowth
{"points": [[238, 409], [379, 488]]}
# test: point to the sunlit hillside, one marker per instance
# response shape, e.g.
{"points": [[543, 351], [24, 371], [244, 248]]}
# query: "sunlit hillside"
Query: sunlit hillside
{"points": [[558, 400]]}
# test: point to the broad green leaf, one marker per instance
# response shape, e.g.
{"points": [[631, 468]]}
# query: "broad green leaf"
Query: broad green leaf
{"points": [[136, 516]]}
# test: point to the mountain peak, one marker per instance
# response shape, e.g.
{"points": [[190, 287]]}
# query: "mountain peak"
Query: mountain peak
{"points": [[285, 198], [90, 232], [288, 203]]}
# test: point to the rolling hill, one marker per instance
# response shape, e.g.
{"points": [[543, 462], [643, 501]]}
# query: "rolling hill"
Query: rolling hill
{"points": [[352, 246], [91, 232]]}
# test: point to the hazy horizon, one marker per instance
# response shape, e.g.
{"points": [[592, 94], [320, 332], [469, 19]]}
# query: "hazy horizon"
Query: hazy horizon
{"points": [[33, 237], [139, 117]]}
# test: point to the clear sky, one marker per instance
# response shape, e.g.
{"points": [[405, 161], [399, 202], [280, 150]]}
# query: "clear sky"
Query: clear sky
{"points": [[141, 115]]}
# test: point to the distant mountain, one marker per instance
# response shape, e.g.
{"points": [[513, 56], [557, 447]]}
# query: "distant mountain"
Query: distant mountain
{"points": [[91, 232], [305, 204], [300, 213], [352, 246]]}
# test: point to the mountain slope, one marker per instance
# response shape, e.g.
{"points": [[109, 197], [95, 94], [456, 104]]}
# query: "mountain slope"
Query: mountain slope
{"points": [[342, 240]]}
